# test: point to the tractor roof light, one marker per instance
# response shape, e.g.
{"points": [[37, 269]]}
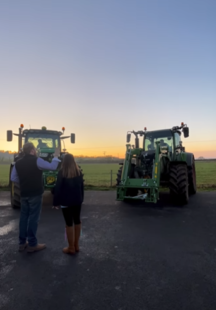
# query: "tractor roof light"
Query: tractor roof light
{"points": [[145, 128], [21, 126], [63, 128], [182, 123]]}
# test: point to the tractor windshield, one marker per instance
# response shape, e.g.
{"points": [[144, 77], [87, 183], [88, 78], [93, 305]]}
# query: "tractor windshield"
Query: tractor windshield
{"points": [[164, 136], [43, 140]]}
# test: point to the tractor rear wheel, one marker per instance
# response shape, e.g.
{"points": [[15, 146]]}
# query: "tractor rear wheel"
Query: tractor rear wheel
{"points": [[192, 179], [15, 195], [178, 183]]}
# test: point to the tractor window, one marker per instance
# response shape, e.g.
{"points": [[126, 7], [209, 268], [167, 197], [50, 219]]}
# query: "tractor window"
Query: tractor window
{"points": [[43, 140], [56, 142], [165, 138], [177, 139]]}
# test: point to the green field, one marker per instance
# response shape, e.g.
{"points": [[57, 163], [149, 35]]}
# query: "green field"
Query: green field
{"points": [[100, 174], [94, 174]]}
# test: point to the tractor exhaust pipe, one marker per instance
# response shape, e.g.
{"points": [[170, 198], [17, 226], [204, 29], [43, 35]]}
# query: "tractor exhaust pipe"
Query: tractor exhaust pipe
{"points": [[136, 142], [20, 140]]}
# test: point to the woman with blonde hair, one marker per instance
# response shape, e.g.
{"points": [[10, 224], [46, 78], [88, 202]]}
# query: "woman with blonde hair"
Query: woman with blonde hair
{"points": [[69, 194]]}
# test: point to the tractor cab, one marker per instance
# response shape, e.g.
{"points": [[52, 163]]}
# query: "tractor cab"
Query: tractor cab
{"points": [[168, 140], [45, 141], [164, 137]]}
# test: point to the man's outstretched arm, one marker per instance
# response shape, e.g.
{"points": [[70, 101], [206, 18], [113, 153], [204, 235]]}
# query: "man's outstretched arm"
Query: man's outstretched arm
{"points": [[45, 165]]}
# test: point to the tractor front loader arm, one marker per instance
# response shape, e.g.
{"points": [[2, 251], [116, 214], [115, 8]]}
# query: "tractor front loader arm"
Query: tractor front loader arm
{"points": [[126, 166], [149, 187]]}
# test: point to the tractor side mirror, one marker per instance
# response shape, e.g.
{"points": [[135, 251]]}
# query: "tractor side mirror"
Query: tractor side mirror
{"points": [[73, 138], [186, 132], [128, 137], [9, 135]]}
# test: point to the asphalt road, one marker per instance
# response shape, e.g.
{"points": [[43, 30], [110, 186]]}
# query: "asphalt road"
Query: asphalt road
{"points": [[133, 257]]}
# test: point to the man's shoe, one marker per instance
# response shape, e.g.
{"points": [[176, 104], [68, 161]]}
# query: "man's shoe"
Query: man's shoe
{"points": [[22, 247], [36, 248]]}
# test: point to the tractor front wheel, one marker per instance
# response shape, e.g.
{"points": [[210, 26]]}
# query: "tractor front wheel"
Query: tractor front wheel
{"points": [[15, 195], [118, 179], [178, 184], [14, 192]]}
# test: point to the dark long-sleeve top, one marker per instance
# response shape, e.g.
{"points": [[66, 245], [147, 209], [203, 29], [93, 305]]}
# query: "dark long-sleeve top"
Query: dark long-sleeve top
{"points": [[41, 164], [68, 191]]}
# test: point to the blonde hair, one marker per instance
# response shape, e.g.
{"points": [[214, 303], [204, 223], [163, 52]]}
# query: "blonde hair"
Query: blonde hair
{"points": [[69, 168]]}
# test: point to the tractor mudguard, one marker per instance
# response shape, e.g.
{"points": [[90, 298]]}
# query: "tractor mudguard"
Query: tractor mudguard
{"points": [[189, 159]]}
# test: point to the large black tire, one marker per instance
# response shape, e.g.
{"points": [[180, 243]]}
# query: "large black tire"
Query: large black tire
{"points": [[192, 179], [118, 179], [81, 171], [178, 183], [15, 195]]}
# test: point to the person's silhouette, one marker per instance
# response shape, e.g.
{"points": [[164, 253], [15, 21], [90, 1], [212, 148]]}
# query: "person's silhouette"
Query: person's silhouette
{"points": [[162, 143], [41, 144]]}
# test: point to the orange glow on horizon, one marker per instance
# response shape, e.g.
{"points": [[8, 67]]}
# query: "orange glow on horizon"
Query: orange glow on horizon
{"points": [[204, 148]]}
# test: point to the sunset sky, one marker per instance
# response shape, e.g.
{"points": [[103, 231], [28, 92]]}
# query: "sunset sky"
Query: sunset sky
{"points": [[101, 68]]}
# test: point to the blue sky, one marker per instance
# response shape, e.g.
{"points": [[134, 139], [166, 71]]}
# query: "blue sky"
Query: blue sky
{"points": [[100, 68]]}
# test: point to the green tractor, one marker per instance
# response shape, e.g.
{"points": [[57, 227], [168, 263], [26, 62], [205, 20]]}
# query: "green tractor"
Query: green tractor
{"points": [[160, 162], [45, 142]]}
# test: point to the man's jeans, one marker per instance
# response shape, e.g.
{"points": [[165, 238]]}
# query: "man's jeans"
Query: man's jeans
{"points": [[29, 217]]}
